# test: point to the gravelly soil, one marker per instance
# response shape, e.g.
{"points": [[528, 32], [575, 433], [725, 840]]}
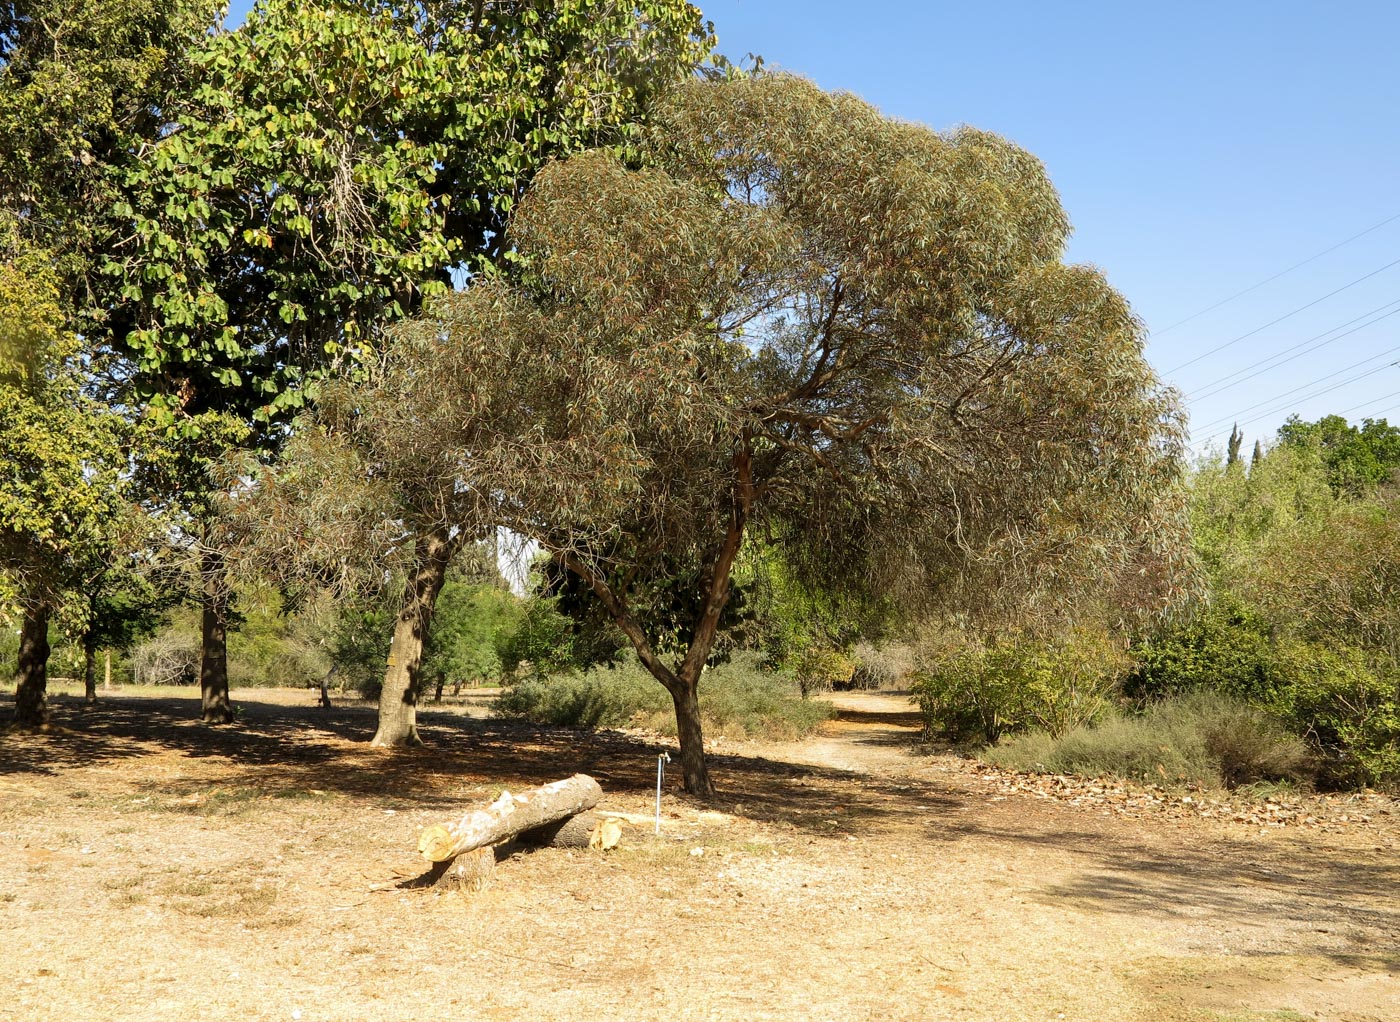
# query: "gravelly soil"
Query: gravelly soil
{"points": [[165, 870]]}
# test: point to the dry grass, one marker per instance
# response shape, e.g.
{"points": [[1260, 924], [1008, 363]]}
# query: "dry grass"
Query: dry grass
{"points": [[164, 870]]}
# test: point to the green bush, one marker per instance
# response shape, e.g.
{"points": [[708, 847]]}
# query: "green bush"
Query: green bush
{"points": [[1342, 701], [1226, 649], [818, 669], [1346, 708], [1201, 738], [968, 691], [736, 698]]}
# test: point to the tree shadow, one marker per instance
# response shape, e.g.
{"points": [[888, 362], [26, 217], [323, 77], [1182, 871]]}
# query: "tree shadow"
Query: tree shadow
{"points": [[1335, 903], [299, 748]]}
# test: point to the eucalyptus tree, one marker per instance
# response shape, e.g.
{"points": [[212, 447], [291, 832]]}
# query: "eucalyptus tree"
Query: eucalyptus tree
{"points": [[331, 165], [796, 323], [889, 371]]}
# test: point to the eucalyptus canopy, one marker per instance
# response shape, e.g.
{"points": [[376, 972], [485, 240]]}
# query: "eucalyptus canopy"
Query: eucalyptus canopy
{"points": [[800, 323]]}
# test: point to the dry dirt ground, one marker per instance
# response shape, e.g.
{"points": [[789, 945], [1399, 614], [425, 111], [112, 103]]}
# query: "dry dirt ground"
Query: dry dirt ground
{"points": [[159, 869]]}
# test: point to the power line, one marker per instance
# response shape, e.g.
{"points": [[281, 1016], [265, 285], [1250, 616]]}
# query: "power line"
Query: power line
{"points": [[1286, 315], [1373, 401], [1215, 388], [1306, 397], [1276, 276], [1313, 383]]}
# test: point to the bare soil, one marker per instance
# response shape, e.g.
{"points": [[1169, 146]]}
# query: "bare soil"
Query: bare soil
{"points": [[161, 869]]}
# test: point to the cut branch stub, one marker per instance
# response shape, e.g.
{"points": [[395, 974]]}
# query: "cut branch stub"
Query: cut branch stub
{"points": [[508, 816]]}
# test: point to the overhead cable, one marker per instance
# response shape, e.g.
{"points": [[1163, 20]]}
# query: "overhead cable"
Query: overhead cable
{"points": [[1220, 385], [1276, 276], [1280, 319]]}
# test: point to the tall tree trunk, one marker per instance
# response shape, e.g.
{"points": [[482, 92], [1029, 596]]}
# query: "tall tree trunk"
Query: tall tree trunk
{"points": [[31, 696], [213, 658], [695, 771], [398, 698], [89, 673]]}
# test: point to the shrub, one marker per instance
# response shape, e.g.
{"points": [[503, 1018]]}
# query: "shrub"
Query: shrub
{"points": [[1345, 707], [736, 698], [1225, 649], [881, 667], [1201, 738], [169, 658], [969, 691], [1342, 701], [818, 669]]}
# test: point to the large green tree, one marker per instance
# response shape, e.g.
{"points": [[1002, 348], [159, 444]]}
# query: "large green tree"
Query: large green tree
{"points": [[795, 323], [331, 166], [1357, 458], [83, 88]]}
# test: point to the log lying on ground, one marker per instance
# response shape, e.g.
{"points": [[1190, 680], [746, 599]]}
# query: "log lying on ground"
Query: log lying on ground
{"points": [[508, 816], [570, 832], [586, 830]]}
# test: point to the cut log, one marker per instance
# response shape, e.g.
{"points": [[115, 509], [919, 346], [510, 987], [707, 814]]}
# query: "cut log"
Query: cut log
{"points": [[605, 836], [508, 816], [571, 832], [586, 830], [470, 871]]}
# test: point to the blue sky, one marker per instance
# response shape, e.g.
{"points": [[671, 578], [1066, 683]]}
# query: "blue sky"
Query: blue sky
{"points": [[1199, 148]]}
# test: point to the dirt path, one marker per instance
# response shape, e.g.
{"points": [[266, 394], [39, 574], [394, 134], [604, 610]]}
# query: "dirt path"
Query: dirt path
{"points": [[161, 870]]}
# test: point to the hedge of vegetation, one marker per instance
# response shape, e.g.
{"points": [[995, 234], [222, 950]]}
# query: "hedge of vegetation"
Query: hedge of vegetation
{"points": [[738, 699]]}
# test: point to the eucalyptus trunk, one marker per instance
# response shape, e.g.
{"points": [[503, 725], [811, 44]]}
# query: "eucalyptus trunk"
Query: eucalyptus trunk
{"points": [[89, 673], [398, 698], [31, 695], [694, 770], [215, 704]]}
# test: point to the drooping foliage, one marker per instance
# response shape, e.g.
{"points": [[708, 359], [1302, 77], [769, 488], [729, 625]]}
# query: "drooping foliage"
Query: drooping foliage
{"points": [[801, 323]]}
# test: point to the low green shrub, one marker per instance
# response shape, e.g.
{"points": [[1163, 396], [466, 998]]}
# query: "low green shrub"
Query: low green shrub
{"points": [[737, 698], [1225, 649], [970, 691], [1344, 702], [1347, 708], [1200, 738]]}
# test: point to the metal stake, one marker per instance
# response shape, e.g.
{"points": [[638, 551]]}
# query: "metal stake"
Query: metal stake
{"points": [[661, 762]]}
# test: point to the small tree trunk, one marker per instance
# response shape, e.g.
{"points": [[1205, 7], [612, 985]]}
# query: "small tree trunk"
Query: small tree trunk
{"points": [[89, 673], [398, 698], [694, 770], [31, 695], [107, 670], [213, 659]]}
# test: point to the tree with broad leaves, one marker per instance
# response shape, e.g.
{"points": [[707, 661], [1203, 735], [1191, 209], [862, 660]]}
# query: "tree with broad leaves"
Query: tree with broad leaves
{"points": [[62, 509], [331, 166], [799, 324]]}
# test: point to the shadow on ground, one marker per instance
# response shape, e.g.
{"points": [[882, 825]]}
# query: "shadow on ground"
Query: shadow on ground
{"points": [[1223, 891], [297, 748], [1338, 903]]}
